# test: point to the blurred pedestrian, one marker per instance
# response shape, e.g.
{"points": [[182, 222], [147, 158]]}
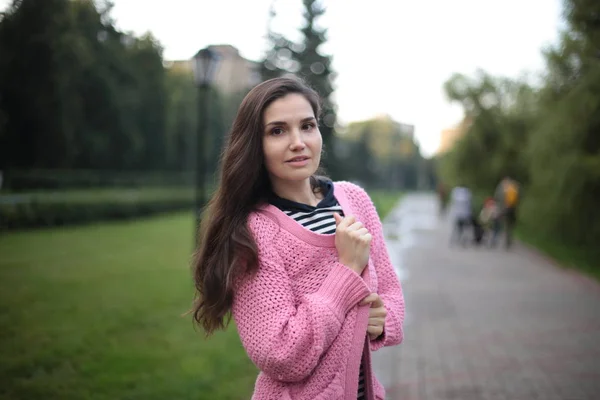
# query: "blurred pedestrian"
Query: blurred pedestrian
{"points": [[507, 196], [442, 192], [461, 213]]}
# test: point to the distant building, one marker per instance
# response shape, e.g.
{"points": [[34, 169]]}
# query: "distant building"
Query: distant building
{"points": [[407, 130], [403, 129], [448, 137], [235, 73]]}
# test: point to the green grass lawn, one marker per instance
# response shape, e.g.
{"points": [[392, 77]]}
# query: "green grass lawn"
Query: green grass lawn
{"points": [[94, 312], [384, 201], [584, 259]]}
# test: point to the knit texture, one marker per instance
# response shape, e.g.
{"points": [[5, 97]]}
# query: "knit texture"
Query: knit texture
{"points": [[298, 316]]}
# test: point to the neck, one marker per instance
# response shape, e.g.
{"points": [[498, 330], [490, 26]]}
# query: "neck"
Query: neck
{"points": [[300, 192]]}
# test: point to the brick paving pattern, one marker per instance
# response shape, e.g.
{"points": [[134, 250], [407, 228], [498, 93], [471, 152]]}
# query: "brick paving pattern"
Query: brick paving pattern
{"points": [[485, 323]]}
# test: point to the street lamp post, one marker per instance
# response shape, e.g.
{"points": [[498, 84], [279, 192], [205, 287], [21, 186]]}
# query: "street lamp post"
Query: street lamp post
{"points": [[206, 62]]}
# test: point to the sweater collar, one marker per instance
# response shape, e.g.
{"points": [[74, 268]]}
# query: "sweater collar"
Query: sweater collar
{"points": [[328, 200], [292, 226]]}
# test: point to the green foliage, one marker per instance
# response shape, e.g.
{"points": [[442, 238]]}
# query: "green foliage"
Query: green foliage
{"points": [[386, 139], [96, 313], [547, 137], [568, 254], [86, 106], [389, 156], [384, 201], [28, 180], [78, 93], [45, 209], [499, 114], [182, 119]]}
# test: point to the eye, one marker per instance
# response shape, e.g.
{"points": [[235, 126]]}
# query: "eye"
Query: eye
{"points": [[308, 126], [276, 131]]}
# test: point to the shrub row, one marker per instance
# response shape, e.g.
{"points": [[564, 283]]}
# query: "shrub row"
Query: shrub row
{"points": [[18, 211]]}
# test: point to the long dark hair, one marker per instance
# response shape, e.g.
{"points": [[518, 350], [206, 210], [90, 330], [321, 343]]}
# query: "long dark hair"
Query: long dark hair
{"points": [[227, 248]]}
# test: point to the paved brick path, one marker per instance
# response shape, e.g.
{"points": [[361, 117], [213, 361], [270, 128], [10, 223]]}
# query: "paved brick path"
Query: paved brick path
{"points": [[486, 324]]}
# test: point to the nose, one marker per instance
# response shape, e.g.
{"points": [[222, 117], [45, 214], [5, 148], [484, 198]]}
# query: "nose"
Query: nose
{"points": [[297, 142]]}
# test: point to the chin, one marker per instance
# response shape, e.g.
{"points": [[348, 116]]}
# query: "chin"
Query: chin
{"points": [[297, 176]]}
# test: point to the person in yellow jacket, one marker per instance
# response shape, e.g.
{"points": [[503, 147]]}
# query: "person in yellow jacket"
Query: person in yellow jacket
{"points": [[507, 198]]}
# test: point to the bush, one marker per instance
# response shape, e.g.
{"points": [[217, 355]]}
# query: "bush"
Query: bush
{"points": [[40, 209], [44, 179]]}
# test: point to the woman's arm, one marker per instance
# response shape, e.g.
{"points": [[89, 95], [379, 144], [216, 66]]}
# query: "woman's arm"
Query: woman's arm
{"points": [[389, 288], [284, 337]]}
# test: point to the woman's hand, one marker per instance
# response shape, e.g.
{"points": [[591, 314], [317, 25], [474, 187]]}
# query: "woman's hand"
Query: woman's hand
{"points": [[353, 243], [377, 314]]}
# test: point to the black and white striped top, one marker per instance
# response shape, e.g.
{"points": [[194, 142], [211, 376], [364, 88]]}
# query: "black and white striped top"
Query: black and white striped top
{"points": [[318, 219]]}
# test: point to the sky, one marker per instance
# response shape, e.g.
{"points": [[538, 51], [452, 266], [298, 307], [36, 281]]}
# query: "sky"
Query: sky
{"points": [[391, 56]]}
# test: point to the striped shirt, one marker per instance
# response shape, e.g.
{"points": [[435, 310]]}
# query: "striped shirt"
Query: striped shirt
{"points": [[318, 219]]}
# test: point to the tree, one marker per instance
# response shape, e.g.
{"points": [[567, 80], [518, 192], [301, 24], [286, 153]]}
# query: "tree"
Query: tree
{"points": [[35, 63], [307, 61], [548, 137], [280, 58], [389, 156], [315, 69], [501, 117], [77, 92], [181, 119], [565, 147]]}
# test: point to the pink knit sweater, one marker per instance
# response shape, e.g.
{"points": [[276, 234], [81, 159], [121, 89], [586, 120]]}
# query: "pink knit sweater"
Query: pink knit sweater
{"points": [[298, 317]]}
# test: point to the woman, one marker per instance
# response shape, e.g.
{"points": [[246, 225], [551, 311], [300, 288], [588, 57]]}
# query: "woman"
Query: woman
{"points": [[300, 261]]}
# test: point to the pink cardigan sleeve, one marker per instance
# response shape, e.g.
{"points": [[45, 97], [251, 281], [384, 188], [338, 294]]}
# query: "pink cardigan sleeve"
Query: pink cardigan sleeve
{"points": [[284, 336], [389, 288]]}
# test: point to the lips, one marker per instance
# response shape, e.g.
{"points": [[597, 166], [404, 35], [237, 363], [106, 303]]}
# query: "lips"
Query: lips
{"points": [[299, 158]]}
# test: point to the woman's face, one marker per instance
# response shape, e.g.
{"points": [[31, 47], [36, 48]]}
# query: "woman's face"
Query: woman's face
{"points": [[291, 139]]}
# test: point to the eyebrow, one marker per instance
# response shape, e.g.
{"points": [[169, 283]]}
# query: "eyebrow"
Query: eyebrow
{"points": [[307, 119]]}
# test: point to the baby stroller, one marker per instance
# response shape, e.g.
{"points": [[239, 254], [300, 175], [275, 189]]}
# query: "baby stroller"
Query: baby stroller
{"points": [[478, 231], [489, 221]]}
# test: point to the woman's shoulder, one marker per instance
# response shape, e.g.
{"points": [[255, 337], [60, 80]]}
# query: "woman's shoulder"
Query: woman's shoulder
{"points": [[354, 193], [262, 224]]}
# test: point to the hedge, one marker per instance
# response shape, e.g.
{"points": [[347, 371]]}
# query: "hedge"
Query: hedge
{"points": [[43, 179], [44, 209]]}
